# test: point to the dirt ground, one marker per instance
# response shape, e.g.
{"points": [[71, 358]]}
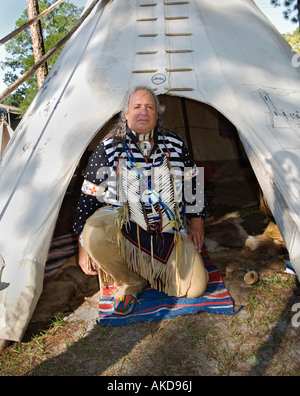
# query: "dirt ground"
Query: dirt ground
{"points": [[262, 339]]}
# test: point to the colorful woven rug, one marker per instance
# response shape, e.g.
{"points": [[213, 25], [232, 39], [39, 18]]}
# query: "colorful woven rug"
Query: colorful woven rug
{"points": [[153, 305]]}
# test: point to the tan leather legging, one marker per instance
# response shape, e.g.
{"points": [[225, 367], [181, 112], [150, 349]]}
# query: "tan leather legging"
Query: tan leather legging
{"points": [[100, 242]]}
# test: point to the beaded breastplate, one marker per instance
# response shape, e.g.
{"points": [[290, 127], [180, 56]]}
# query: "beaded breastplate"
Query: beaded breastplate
{"points": [[148, 192]]}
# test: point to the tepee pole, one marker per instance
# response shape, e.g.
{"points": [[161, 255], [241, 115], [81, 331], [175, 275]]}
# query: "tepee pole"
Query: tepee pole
{"points": [[50, 53]]}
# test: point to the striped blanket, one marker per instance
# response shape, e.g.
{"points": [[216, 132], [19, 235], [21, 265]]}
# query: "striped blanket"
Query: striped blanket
{"points": [[61, 249], [153, 305]]}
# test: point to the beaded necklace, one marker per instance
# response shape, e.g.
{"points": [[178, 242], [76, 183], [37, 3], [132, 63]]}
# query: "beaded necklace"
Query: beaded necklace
{"points": [[144, 140]]}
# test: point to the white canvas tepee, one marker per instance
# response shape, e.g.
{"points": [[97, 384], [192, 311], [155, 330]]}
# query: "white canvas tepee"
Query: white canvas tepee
{"points": [[222, 53]]}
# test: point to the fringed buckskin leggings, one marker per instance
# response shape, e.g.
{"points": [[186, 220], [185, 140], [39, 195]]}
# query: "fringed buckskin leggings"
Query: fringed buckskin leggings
{"points": [[100, 242]]}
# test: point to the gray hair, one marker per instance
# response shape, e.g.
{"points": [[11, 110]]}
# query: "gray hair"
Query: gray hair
{"points": [[159, 107], [120, 127]]}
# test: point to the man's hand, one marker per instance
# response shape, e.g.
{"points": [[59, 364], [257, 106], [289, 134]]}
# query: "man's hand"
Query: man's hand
{"points": [[196, 232], [83, 263]]}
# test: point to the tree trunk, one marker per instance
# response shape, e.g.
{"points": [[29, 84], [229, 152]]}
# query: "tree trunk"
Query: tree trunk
{"points": [[37, 40]]}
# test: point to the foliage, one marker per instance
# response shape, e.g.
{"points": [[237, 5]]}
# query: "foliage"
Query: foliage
{"points": [[292, 11], [294, 39], [55, 26]]}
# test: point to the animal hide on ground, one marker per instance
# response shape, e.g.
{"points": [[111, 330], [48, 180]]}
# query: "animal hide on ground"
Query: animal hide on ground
{"points": [[236, 252]]}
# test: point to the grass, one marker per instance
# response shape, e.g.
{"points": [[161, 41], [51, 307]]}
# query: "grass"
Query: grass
{"points": [[259, 340]]}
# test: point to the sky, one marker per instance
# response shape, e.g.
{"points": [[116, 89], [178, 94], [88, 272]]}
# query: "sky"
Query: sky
{"points": [[12, 9]]}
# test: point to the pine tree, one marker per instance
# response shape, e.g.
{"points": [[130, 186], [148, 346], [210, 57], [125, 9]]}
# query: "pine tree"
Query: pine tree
{"points": [[292, 11], [37, 40], [55, 26]]}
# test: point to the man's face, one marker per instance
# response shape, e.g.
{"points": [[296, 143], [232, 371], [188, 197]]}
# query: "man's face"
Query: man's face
{"points": [[142, 113]]}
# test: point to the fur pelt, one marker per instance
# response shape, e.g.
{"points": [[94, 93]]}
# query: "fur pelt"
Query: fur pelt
{"points": [[224, 233], [237, 252]]}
